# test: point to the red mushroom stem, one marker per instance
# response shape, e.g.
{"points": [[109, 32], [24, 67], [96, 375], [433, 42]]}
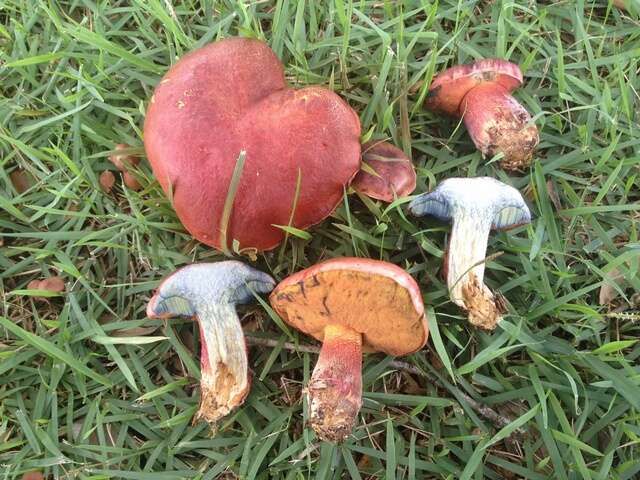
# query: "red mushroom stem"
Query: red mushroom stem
{"points": [[335, 389], [496, 122]]}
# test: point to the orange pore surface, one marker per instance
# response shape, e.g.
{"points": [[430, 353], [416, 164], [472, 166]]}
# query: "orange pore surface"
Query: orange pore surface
{"points": [[449, 87], [377, 299], [231, 96]]}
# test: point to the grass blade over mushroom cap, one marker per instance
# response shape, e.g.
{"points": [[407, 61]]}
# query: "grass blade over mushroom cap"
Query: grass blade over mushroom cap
{"points": [[351, 305], [209, 293], [474, 206], [231, 96]]}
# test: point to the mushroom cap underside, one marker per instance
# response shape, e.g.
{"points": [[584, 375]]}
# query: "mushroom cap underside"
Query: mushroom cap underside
{"points": [[474, 198], [448, 89], [377, 299]]}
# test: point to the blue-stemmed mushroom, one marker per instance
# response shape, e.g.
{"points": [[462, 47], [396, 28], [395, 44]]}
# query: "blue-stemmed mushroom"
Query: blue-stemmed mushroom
{"points": [[474, 206], [209, 293]]}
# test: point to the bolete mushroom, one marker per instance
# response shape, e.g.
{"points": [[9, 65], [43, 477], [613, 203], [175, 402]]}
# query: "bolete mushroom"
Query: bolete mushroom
{"points": [[209, 292], [480, 93], [394, 174], [474, 206], [231, 97], [349, 304]]}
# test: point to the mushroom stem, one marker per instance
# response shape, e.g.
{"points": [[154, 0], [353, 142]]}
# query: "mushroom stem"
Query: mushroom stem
{"points": [[465, 269], [223, 362], [209, 293], [335, 389], [497, 123]]}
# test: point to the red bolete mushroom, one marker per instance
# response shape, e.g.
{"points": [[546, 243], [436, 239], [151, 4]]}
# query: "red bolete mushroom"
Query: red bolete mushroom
{"points": [[231, 97], [480, 93], [474, 206], [394, 174], [351, 305], [209, 292]]}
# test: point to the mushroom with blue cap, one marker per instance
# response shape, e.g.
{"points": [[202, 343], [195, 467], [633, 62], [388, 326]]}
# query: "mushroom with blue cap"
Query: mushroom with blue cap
{"points": [[474, 206], [209, 293]]}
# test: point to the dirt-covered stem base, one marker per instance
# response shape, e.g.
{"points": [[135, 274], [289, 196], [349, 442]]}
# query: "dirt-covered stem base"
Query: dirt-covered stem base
{"points": [[335, 389]]}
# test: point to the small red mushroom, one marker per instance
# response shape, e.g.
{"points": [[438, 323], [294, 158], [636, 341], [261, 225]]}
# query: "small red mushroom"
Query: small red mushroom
{"points": [[350, 305], [395, 176], [480, 93]]}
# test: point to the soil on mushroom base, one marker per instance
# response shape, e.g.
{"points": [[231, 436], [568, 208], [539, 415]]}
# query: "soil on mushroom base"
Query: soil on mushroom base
{"points": [[484, 312], [509, 133]]}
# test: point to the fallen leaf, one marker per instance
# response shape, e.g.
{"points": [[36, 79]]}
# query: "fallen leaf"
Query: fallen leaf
{"points": [[33, 476], [131, 182], [620, 4], [123, 160], [553, 195], [608, 293], [21, 180], [107, 180], [52, 284]]}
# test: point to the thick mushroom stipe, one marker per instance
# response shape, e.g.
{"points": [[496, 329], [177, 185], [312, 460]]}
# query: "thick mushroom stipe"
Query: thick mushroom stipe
{"points": [[351, 305], [497, 123], [230, 97], [395, 176], [480, 93], [209, 292], [474, 206], [335, 388]]}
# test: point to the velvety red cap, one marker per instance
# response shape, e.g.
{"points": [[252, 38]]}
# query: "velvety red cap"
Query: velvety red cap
{"points": [[231, 96], [395, 173]]}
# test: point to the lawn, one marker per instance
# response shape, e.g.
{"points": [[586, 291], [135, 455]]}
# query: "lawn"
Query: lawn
{"points": [[90, 388]]}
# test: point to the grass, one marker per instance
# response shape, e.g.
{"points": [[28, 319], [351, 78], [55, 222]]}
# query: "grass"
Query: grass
{"points": [[92, 389]]}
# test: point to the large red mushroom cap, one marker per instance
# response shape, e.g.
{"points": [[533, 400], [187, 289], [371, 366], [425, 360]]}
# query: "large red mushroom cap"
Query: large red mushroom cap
{"points": [[349, 304], [480, 93], [231, 97], [395, 176]]}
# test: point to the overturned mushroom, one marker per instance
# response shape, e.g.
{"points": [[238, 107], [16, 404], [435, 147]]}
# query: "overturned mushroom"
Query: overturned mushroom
{"points": [[209, 293], [474, 206], [394, 173], [480, 93], [351, 305]]}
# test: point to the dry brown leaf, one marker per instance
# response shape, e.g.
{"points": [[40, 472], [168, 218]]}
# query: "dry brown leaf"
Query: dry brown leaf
{"points": [[107, 180], [33, 476], [608, 292], [553, 195], [620, 4], [123, 160], [21, 180], [52, 284], [133, 332], [131, 182]]}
